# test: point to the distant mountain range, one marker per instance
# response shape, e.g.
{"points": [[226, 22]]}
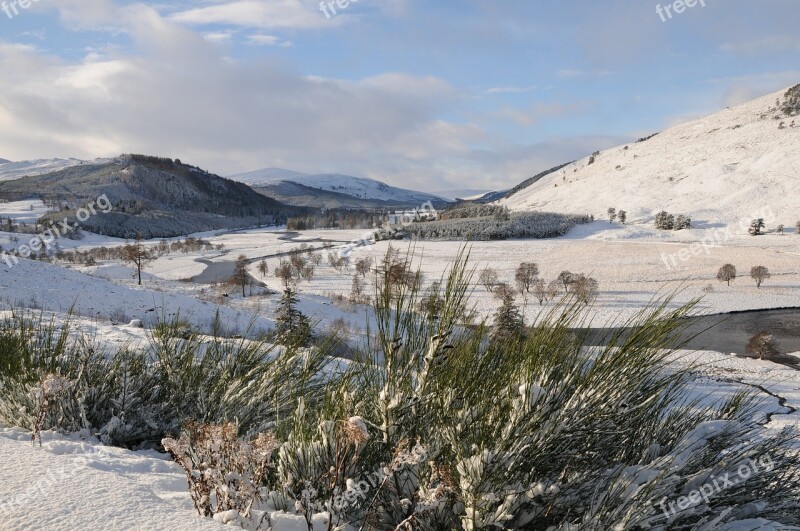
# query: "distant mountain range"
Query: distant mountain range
{"points": [[151, 196], [332, 190], [726, 168]]}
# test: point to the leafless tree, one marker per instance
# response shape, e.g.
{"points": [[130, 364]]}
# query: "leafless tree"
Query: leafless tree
{"points": [[138, 255], [363, 265], [240, 274], [526, 275], [489, 279], [585, 288], [284, 272], [726, 273], [759, 274], [540, 291], [566, 278]]}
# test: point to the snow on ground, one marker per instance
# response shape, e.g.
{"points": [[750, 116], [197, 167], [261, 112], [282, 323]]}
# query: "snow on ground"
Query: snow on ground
{"points": [[23, 211], [14, 170], [38, 285], [72, 483], [106, 488], [631, 264]]}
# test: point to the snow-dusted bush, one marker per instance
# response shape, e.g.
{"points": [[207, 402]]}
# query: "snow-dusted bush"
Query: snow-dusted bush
{"points": [[225, 473], [542, 433], [135, 397]]}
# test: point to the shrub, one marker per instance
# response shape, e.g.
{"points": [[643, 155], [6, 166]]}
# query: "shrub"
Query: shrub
{"points": [[225, 473], [135, 397], [764, 346], [549, 434]]}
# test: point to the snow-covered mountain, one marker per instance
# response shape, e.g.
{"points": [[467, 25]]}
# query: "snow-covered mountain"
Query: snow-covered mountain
{"points": [[10, 171], [463, 193], [721, 169], [358, 187]]}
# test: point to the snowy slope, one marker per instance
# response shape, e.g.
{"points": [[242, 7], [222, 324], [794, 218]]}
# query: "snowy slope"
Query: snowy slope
{"points": [[35, 284], [74, 482], [10, 171], [344, 184], [718, 170]]}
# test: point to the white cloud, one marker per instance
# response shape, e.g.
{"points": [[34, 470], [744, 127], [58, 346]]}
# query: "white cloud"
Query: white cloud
{"points": [[272, 14], [511, 90], [218, 36], [267, 40]]}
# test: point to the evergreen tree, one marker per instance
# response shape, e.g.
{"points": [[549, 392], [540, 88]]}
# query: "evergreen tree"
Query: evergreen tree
{"points": [[293, 328], [508, 322], [756, 227]]}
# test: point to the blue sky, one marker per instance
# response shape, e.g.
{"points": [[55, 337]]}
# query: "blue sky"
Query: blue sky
{"points": [[423, 94]]}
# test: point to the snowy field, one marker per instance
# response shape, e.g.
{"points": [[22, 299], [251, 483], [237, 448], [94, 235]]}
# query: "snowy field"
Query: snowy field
{"points": [[75, 483], [631, 264]]}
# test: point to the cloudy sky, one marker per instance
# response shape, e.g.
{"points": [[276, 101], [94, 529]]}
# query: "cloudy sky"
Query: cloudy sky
{"points": [[426, 94]]}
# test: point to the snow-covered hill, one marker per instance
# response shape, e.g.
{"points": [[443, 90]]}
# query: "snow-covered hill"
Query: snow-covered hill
{"points": [[723, 169], [358, 187], [10, 171]]}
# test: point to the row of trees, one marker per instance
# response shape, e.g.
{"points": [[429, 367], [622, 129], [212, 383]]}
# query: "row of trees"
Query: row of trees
{"points": [[667, 221], [759, 274], [614, 215]]}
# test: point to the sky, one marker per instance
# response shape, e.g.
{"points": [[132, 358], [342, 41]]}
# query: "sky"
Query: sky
{"points": [[423, 94]]}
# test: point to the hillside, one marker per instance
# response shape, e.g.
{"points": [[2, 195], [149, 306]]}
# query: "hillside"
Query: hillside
{"points": [[14, 170], [151, 196], [721, 169], [369, 192], [296, 194]]}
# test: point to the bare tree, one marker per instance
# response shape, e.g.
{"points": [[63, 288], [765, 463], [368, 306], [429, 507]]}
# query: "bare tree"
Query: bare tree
{"points": [[358, 289], [240, 274], [759, 274], [727, 273], [540, 291], [566, 278], [612, 214], [284, 272], [585, 288], [504, 291], [263, 268], [363, 265], [553, 289], [337, 261], [526, 275], [138, 255], [489, 279], [623, 216]]}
